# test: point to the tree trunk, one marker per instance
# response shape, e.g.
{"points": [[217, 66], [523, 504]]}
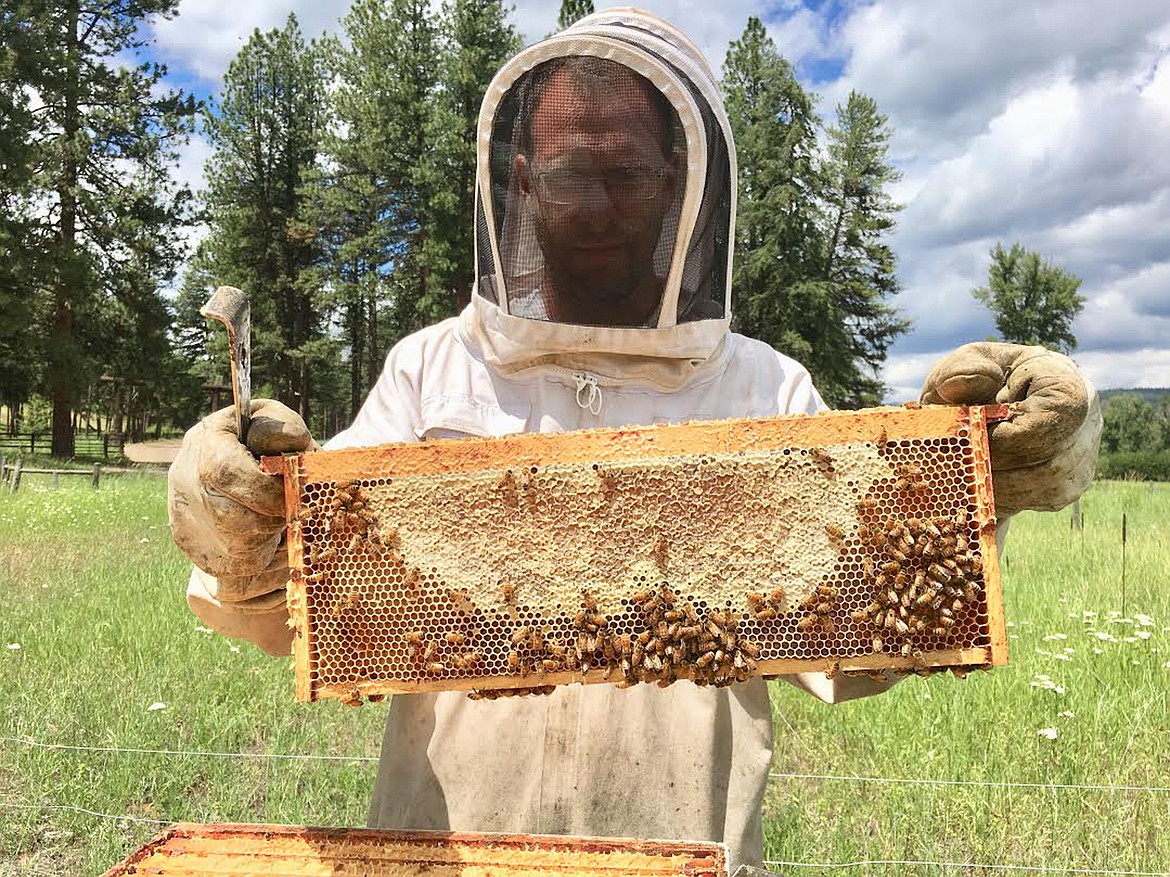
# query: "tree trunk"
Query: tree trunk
{"points": [[375, 362], [61, 331]]}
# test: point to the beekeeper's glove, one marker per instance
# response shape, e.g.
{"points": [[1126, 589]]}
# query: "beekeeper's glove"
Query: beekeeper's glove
{"points": [[1045, 456], [226, 515]]}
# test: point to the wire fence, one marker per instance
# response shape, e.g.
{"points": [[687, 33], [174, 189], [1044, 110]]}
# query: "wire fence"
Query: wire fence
{"points": [[860, 865]]}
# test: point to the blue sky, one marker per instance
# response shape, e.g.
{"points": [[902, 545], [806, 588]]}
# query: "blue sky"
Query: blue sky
{"points": [[1046, 123]]}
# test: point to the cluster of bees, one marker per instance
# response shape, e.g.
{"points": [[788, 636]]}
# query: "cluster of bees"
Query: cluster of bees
{"points": [[674, 642], [924, 576], [347, 521]]}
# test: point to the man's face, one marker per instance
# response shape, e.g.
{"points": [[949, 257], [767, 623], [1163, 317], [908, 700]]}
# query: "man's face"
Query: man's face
{"points": [[599, 186]]}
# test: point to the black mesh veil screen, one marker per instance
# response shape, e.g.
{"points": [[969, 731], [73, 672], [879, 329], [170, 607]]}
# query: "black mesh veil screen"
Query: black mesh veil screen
{"points": [[587, 174]]}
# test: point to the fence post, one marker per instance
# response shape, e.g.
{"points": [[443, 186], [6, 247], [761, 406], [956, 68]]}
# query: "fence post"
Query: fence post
{"points": [[3, 470], [16, 476], [56, 479], [32, 442], [106, 446], [97, 474]]}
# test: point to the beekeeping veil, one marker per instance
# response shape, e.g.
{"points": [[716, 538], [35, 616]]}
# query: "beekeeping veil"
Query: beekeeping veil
{"points": [[605, 197]]}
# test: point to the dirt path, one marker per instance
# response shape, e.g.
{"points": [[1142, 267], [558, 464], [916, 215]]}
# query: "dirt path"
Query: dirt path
{"points": [[161, 451]]}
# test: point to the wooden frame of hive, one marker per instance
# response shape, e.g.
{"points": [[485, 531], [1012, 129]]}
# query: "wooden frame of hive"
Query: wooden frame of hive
{"points": [[850, 542], [188, 849]]}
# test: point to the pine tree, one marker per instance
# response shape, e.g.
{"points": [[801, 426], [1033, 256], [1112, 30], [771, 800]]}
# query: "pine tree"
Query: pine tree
{"points": [[859, 265], [104, 141], [22, 304], [778, 237], [265, 132], [812, 268], [368, 204], [1033, 300], [477, 40]]}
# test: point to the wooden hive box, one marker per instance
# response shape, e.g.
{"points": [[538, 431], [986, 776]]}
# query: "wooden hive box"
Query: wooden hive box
{"points": [[186, 850], [849, 542]]}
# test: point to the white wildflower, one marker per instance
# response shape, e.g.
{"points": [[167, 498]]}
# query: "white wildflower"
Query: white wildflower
{"points": [[202, 629], [1067, 714], [13, 647], [1144, 620], [156, 706], [1050, 733], [1142, 634], [1055, 636]]}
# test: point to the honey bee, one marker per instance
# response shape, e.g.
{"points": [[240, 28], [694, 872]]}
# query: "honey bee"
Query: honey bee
{"points": [[822, 460], [754, 599], [415, 638], [877, 644], [867, 504], [455, 638], [749, 648], [658, 551], [508, 592], [472, 658], [834, 532], [807, 623], [521, 635], [435, 667], [765, 613], [536, 640], [831, 670], [777, 597], [882, 438]]}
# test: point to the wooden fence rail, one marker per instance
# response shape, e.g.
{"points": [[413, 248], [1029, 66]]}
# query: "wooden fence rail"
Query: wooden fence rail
{"points": [[10, 473]]}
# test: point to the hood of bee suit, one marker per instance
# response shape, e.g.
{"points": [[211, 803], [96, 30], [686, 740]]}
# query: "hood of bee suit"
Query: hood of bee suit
{"points": [[605, 205]]}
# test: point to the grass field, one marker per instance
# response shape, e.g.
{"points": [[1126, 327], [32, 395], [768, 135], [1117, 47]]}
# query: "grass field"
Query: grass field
{"points": [[97, 649]]}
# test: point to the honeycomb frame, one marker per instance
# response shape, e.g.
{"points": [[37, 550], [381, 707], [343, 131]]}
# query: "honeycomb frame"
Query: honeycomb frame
{"points": [[187, 849], [844, 542]]}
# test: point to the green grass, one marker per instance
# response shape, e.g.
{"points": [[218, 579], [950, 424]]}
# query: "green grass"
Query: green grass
{"points": [[91, 589]]}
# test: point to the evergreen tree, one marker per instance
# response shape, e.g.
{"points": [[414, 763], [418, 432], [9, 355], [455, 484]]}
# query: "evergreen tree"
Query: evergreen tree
{"points": [[573, 10], [778, 228], [812, 270], [367, 197], [266, 131], [859, 266], [22, 303], [1033, 300], [477, 40], [104, 139]]}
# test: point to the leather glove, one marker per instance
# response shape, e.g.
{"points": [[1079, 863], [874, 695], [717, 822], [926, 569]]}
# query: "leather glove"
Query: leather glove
{"points": [[1045, 456], [226, 515]]}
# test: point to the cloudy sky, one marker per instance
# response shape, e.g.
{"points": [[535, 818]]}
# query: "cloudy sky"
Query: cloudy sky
{"points": [[1046, 123]]}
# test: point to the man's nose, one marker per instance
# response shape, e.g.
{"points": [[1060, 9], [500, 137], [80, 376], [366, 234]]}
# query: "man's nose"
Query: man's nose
{"points": [[593, 201]]}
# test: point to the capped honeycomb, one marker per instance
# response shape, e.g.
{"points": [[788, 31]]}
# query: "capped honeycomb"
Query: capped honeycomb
{"points": [[186, 850], [851, 542]]}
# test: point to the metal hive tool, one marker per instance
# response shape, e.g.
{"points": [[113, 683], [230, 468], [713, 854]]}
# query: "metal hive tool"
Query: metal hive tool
{"points": [[187, 850], [850, 542]]}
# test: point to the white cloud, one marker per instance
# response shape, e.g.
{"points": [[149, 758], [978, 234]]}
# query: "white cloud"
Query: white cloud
{"points": [[206, 34]]}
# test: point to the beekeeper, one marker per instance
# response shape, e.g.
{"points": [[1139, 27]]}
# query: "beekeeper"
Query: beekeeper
{"points": [[605, 209]]}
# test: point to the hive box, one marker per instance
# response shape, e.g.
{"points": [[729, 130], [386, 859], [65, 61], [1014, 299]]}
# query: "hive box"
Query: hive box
{"points": [[851, 543], [187, 850]]}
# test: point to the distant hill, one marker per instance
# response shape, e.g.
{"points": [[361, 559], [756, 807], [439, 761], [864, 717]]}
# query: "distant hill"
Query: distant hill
{"points": [[1150, 394]]}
